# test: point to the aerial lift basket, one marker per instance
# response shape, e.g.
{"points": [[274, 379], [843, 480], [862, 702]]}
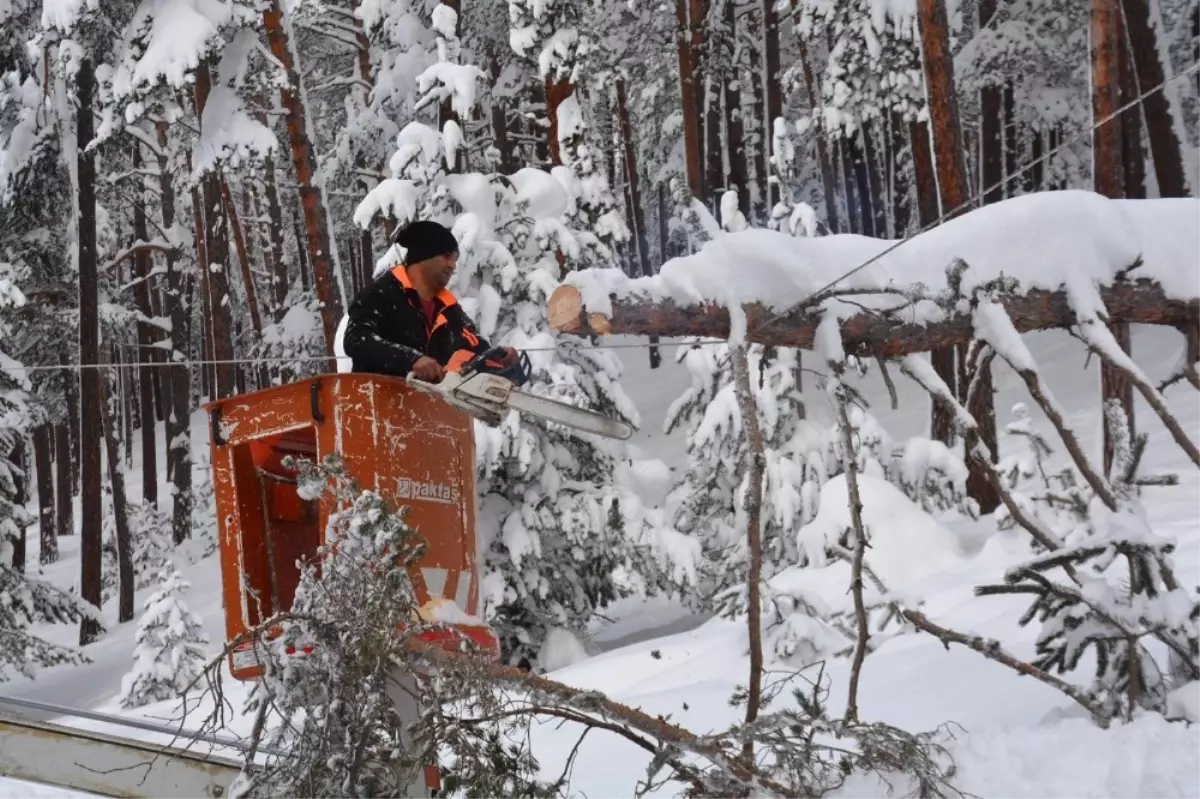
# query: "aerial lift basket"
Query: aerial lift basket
{"points": [[411, 447]]}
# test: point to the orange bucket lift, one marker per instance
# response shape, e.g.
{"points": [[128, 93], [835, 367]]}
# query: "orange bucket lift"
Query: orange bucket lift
{"points": [[407, 445], [411, 442]]}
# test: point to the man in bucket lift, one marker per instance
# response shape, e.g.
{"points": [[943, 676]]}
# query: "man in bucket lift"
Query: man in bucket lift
{"points": [[407, 322]]}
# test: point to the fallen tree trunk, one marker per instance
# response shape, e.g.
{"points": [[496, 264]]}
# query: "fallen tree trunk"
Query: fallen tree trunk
{"points": [[869, 333]]}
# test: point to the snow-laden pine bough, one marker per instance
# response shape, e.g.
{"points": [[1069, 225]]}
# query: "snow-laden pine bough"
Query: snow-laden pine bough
{"points": [[1068, 260]]}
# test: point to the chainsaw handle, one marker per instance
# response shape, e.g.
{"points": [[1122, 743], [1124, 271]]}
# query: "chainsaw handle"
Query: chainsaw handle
{"points": [[491, 362]]}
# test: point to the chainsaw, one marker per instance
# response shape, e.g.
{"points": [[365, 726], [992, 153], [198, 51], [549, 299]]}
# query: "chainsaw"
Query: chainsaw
{"points": [[487, 388]]}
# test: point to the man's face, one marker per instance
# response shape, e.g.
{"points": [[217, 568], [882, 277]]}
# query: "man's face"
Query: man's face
{"points": [[440, 269]]}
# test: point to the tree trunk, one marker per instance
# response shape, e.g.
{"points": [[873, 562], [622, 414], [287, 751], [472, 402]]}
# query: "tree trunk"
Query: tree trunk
{"points": [[853, 148], [1107, 175], [828, 181], [207, 374], [954, 196], [878, 204], [116, 480], [901, 205], [316, 222], [1133, 161], [868, 333], [19, 458], [772, 82], [243, 254], [179, 296], [850, 183], [73, 424], [89, 357], [302, 255], [216, 243], [943, 108], [735, 128], [991, 151], [43, 462], [637, 216], [65, 514], [276, 264], [1165, 146], [145, 337], [557, 93], [762, 195], [714, 161], [500, 123], [1012, 141], [1035, 175]]}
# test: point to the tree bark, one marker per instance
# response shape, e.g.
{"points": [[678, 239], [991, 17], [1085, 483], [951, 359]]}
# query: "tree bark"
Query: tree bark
{"points": [[867, 334], [1107, 175], [146, 337], [89, 356], [276, 264], [19, 458], [874, 170], [216, 243], [952, 187], [316, 222], [1165, 146], [714, 161], [43, 463], [116, 480], [179, 300], [1012, 141], [943, 107], [688, 97], [556, 94], [991, 166], [771, 80], [243, 254], [756, 455], [1133, 162], [850, 184], [637, 215], [735, 127], [759, 95], [64, 498], [828, 181], [901, 205]]}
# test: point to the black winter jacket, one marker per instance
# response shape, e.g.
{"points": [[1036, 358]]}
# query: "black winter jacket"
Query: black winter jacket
{"points": [[387, 331]]}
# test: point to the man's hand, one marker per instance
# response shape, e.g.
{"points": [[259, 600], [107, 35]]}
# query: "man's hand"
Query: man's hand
{"points": [[428, 369], [510, 356]]}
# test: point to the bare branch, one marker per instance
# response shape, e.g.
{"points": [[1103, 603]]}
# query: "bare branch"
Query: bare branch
{"points": [[991, 649], [758, 462]]}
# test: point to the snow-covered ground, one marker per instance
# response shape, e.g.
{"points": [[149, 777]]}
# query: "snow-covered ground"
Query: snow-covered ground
{"points": [[1014, 736]]}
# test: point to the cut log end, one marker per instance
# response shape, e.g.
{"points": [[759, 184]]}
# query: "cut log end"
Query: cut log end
{"points": [[565, 310]]}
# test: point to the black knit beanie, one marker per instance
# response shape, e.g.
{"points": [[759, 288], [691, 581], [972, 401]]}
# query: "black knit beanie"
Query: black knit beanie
{"points": [[425, 239]]}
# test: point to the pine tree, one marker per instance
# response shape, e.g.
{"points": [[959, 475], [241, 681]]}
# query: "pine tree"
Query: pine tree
{"points": [[169, 647], [562, 538], [1114, 612], [24, 600]]}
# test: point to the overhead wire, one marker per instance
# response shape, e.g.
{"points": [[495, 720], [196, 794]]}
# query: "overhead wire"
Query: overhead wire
{"points": [[777, 316]]}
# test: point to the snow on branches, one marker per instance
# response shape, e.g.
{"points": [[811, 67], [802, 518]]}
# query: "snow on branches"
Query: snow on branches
{"points": [[564, 536], [169, 652]]}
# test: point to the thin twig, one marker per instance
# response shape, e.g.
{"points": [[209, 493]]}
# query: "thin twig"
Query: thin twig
{"points": [[860, 544]]}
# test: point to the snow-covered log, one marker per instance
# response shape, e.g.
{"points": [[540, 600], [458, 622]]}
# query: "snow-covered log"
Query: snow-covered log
{"points": [[865, 333], [1141, 255]]}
